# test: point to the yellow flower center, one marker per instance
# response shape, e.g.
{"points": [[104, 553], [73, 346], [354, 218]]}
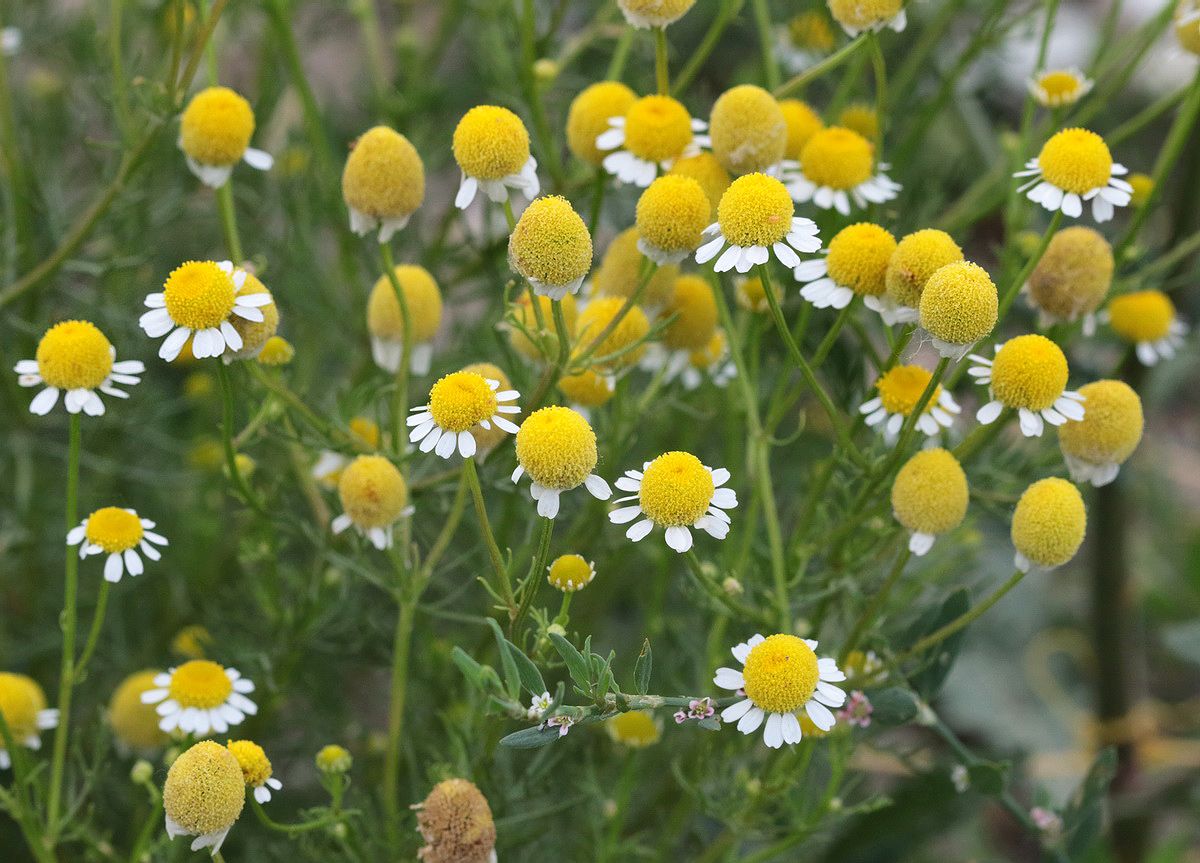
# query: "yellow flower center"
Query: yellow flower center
{"points": [[17, 706], [1061, 86], [672, 213], [917, 257], [959, 303], [114, 529], [810, 30], [136, 724], [1074, 274], [589, 388], [752, 295], [490, 143], [456, 823], [901, 387], [695, 310], [781, 674], [657, 129], [384, 176], [858, 258], [748, 130], [333, 759], [589, 114], [372, 491], [74, 355], [802, 123], [550, 243], [557, 448], [860, 118], [1142, 316], [634, 728], [366, 431], [460, 400], [277, 351], [756, 210], [676, 490], [570, 572], [200, 683], [655, 13], [1029, 372], [216, 126], [1049, 522], [385, 319], [618, 344], [1111, 427], [838, 157], [199, 295], [1143, 184], [707, 171], [1076, 160], [930, 493], [256, 767], [192, 641], [204, 791], [861, 14]]}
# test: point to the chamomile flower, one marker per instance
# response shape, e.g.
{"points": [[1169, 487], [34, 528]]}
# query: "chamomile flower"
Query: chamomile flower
{"points": [[214, 134], [1072, 278], [837, 168], [855, 263], [929, 497], [916, 257], [491, 146], [523, 328], [197, 302], [373, 496], [635, 729], [456, 823], [620, 272], [23, 706], [385, 319], [1147, 320], [802, 123], [900, 389], [1187, 25], [861, 16], [329, 465], [860, 117], [589, 114], [712, 361], [804, 40], [254, 334], [756, 217], [569, 573], [671, 216], [676, 492], [551, 247], [704, 168], [748, 130], [383, 182], [653, 133], [557, 448], [200, 697], [120, 534], [458, 402], [1096, 446], [134, 724], [204, 795], [958, 307], [1073, 167], [1056, 88], [1048, 525], [75, 357], [625, 344], [256, 768], [645, 14], [588, 390], [1028, 375], [781, 676]]}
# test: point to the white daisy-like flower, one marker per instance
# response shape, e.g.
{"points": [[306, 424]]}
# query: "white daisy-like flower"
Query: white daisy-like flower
{"points": [[457, 403], [756, 217], [1075, 166], [525, 181], [900, 389], [214, 135], [557, 448], [201, 697], [196, 302], [257, 771], [876, 189], [780, 676], [1028, 375], [1149, 321], [837, 168], [1055, 88], [75, 357], [119, 533], [655, 132], [676, 492]]}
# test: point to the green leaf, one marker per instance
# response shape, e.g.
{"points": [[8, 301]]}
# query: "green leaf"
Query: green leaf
{"points": [[470, 669], [512, 678], [531, 678], [641, 669], [530, 738], [988, 777], [1083, 816], [938, 660], [893, 706], [577, 666]]}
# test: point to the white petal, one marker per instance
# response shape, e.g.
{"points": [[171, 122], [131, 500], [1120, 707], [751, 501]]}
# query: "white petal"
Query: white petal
{"points": [[729, 678], [819, 714], [679, 538], [597, 487], [736, 711], [752, 719], [988, 413], [113, 569], [446, 444], [638, 531], [624, 514], [773, 733], [258, 159], [792, 733]]}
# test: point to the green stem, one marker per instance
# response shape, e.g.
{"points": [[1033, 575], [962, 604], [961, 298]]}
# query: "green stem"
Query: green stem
{"points": [[400, 393], [879, 65], [229, 221], [235, 475], [725, 14], [766, 40], [1022, 277], [616, 65], [538, 566], [631, 301], [497, 561], [89, 646], [303, 827], [814, 72], [550, 152], [963, 620], [877, 600], [401, 648], [661, 74]]}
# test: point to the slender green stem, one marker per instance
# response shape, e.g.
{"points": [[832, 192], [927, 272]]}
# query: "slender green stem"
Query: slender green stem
{"points": [[368, 22], [564, 334], [649, 269], [1145, 117], [303, 827], [1022, 277], [229, 221], [401, 648], [980, 436], [616, 66], [766, 42], [89, 646], [661, 74], [66, 682], [538, 566], [963, 620], [502, 580], [509, 216], [830, 337], [727, 11], [550, 152], [814, 72], [877, 600], [879, 65], [235, 474], [400, 393]]}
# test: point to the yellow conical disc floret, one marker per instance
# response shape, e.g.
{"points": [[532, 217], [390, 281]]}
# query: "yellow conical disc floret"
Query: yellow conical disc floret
{"points": [[74, 355], [276, 351], [632, 329], [657, 129], [204, 792], [216, 127], [1076, 160], [255, 333], [570, 573], [523, 312], [802, 123], [634, 728], [199, 295], [1048, 523], [619, 273], [917, 257], [589, 114], [133, 723], [756, 210], [930, 493], [901, 387], [748, 130], [460, 400], [671, 214], [253, 761], [557, 448], [695, 307], [334, 759], [1110, 429], [707, 171], [781, 674], [860, 118], [551, 246], [858, 15], [487, 438], [456, 823], [113, 529], [490, 142], [384, 178], [676, 490], [18, 707], [811, 31], [1029, 372], [959, 304], [1141, 316], [372, 491], [422, 296], [859, 256], [1074, 275], [589, 388], [838, 157], [654, 13]]}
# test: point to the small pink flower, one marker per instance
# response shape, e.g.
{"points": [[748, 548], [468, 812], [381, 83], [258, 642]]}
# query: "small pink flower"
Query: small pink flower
{"points": [[563, 723], [857, 710]]}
